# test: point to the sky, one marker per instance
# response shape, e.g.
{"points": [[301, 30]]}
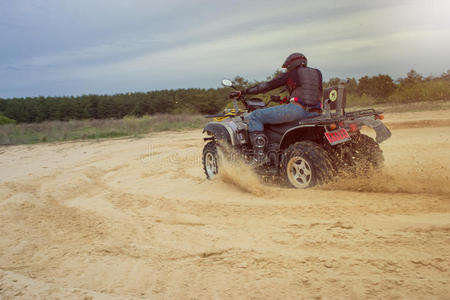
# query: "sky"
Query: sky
{"points": [[66, 47]]}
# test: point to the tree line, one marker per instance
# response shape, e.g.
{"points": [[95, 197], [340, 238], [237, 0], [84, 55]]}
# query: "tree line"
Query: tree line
{"points": [[191, 101], [39, 109]]}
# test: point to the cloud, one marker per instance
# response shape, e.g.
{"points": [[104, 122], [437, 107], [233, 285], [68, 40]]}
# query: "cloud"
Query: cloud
{"points": [[334, 39], [118, 46]]}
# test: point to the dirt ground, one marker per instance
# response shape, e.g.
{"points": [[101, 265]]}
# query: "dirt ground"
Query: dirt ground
{"points": [[136, 218]]}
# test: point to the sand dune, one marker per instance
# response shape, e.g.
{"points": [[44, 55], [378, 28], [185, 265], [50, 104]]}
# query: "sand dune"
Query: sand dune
{"points": [[136, 218]]}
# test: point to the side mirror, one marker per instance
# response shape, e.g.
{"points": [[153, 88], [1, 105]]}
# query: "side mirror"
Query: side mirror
{"points": [[227, 82]]}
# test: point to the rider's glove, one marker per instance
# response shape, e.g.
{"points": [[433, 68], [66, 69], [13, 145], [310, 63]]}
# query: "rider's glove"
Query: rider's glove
{"points": [[235, 94]]}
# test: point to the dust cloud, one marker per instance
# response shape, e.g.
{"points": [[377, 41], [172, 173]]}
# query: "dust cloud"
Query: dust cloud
{"points": [[406, 177], [235, 172]]}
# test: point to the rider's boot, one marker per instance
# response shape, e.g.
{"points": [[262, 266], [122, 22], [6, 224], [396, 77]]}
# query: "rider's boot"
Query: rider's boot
{"points": [[259, 141]]}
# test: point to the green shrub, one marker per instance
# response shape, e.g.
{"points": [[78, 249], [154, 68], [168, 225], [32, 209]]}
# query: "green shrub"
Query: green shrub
{"points": [[422, 91], [5, 120], [380, 87]]}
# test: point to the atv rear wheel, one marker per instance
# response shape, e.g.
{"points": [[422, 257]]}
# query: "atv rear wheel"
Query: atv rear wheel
{"points": [[306, 164], [210, 160], [367, 153]]}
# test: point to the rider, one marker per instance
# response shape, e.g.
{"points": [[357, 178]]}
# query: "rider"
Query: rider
{"points": [[305, 92]]}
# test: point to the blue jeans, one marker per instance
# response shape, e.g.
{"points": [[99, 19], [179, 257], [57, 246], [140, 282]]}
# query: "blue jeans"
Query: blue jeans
{"points": [[276, 115]]}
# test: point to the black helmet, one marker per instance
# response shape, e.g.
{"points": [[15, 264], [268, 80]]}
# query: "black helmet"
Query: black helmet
{"points": [[294, 60]]}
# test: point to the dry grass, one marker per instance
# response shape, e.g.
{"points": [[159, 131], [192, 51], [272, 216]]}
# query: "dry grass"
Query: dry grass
{"points": [[51, 131]]}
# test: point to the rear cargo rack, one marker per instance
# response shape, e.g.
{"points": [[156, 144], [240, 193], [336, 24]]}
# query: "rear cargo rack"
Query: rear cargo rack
{"points": [[336, 117]]}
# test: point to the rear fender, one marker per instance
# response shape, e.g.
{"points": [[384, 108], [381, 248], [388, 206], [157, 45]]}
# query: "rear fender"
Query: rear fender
{"points": [[221, 131], [301, 133], [382, 132]]}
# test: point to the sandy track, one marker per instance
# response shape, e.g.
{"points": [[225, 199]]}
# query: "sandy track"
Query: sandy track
{"points": [[136, 218]]}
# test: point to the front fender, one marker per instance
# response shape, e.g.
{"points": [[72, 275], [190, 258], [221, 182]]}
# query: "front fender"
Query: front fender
{"points": [[221, 131]]}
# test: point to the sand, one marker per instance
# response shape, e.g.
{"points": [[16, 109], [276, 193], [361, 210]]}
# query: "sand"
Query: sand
{"points": [[136, 218]]}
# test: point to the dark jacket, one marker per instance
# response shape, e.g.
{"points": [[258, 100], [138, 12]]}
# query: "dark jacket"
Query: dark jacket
{"points": [[303, 83]]}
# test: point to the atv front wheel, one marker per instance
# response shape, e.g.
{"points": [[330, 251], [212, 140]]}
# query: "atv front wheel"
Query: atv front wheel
{"points": [[210, 160], [306, 164]]}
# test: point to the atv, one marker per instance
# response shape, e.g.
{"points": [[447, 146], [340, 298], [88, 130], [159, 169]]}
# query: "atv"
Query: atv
{"points": [[302, 153]]}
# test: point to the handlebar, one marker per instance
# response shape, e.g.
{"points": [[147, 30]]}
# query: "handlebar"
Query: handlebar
{"points": [[238, 95], [275, 98]]}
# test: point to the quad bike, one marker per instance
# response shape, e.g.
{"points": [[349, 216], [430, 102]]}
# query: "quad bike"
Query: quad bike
{"points": [[302, 153]]}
